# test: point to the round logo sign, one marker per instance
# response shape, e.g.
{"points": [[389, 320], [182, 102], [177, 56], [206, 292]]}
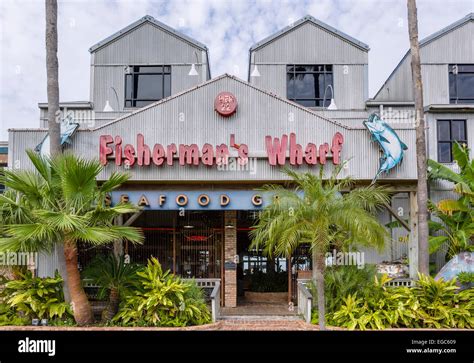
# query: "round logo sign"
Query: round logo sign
{"points": [[225, 104]]}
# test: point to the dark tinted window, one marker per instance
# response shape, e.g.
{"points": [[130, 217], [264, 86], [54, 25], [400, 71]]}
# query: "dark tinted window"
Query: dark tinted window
{"points": [[461, 83], [306, 84], [147, 84], [449, 131]]}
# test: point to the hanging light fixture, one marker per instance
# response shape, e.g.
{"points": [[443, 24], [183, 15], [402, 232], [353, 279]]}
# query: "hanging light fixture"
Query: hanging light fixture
{"points": [[255, 72], [193, 71], [332, 105], [107, 107]]}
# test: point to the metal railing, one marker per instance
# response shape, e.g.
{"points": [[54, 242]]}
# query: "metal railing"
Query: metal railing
{"points": [[400, 282], [214, 296], [216, 301], [305, 300]]}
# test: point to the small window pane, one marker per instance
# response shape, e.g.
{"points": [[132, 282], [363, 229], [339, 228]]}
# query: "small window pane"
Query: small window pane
{"points": [[466, 68], [290, 86], [444, 152], [458, 130], [149, 69], [465, 85], [452, 86], [128, 86], [305, 86], [167, 86], [149, 86], [444, 133], [143, 103], [307, 103]]}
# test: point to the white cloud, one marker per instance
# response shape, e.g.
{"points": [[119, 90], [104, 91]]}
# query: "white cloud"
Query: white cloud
{"points": [[227, 27]]}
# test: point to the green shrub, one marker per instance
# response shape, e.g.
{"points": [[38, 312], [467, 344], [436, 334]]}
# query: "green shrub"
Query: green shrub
{"points": [[466, 278], [428, 304], [163, 299], [32, 298], [341, 281]]}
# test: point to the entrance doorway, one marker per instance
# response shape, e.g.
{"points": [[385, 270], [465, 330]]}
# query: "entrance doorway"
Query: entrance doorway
{"points": [[261, 278]]}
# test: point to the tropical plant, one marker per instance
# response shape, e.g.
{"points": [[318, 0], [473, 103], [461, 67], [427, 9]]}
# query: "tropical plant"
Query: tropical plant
{"points": [[163, 299], [61, 203], [114, 277], [429, 303], [341, 281], [457, 216], [321, 212], [34, 297], [466, 277]]}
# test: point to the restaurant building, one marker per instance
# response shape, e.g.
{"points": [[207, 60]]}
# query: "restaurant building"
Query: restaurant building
{"points": [[198, 148]]}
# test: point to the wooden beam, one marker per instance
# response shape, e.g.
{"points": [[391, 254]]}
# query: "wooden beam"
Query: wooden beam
{"points": [[397, 217], [133, 218], [413, 238]]}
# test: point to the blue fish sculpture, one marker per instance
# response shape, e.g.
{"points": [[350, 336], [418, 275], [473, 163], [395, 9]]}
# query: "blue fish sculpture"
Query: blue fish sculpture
{"points": [[388, 140]]}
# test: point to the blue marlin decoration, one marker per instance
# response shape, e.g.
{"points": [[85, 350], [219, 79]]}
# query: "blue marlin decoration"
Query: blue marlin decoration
{"points": [[68, 129], [388, 141]]}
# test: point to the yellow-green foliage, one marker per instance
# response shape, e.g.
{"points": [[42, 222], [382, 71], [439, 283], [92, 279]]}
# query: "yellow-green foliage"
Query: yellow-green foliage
{"points": [[163, 299], [428, 304]]}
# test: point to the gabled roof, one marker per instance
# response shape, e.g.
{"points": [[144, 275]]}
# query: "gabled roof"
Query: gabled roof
{"points": [[427, 40], [152, 20], [319, 23]]}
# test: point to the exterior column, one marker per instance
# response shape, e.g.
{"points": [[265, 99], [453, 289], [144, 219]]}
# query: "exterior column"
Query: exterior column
{"points": [[230, 251], [413, 238]]}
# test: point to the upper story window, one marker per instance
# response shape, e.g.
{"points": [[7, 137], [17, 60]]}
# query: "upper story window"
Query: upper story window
{"points": [[461, 83], [450, 131], [307, 84], [147, 84]]}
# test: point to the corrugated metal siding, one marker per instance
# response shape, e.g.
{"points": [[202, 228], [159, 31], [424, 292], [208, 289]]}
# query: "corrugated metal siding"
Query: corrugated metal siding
{"points": [[259, 114], [310, 44], [399, 86], [350, 86], [272, 78], [145, 45], [435, 84], [456, 46], [181, 81]]}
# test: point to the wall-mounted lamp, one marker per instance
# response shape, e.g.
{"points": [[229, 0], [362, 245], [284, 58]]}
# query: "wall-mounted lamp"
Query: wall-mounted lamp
{"points": [[229, 226], [332, 105], [107, 107], [193, 71], [255, 72]]}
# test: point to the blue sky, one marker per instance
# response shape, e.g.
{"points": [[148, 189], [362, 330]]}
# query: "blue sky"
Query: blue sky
{"points": [[228, 28]]}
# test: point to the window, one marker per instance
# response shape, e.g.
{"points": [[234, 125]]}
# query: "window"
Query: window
{"points": [[306, 85], [461, 83], [147, 84], [448, 132]]}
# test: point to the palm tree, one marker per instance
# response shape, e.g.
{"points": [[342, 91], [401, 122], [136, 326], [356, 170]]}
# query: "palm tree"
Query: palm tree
{"points": [[62, 203], [421, 166], [114, 277], [321, 213]]}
